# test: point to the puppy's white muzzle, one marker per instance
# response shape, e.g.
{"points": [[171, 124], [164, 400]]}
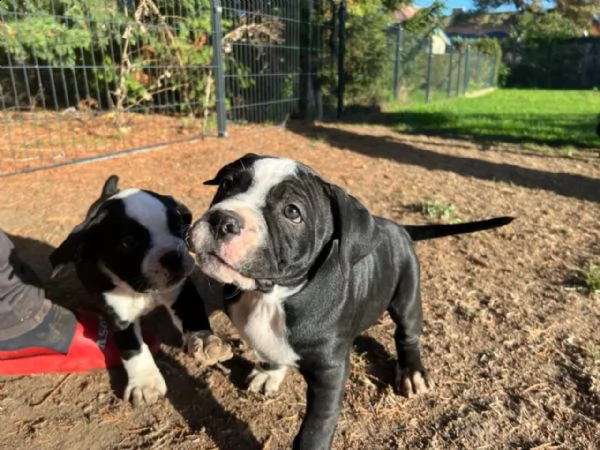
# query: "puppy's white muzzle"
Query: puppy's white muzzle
{"points": [[218, 255]]}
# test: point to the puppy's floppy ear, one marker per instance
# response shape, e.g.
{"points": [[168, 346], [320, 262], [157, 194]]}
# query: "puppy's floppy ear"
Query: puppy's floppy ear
{"points": [[354, 227], [219, 176], [244, 160], [70, 250], [212, 182], [249, 156], [109, 189]]}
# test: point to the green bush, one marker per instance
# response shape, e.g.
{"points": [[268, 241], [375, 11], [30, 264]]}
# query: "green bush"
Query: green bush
{"points": [[369, 63], [98, 48], [546, 51], [371, 51]]}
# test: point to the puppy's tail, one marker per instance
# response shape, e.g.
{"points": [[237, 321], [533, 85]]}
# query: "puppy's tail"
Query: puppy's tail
{"points": [[424, 232]]}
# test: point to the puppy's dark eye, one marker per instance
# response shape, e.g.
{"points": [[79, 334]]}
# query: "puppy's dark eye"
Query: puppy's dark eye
{"points": [[127, 243], [292, 213]]}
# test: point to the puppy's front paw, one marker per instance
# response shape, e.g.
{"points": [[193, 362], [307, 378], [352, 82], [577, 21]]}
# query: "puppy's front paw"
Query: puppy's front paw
{"points": [[207, 348], [146, 389], [266, 381], [412, 382]]}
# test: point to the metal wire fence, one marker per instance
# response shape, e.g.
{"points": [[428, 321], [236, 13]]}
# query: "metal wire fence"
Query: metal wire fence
{"points": [[554, 63], [425, 68], [83, 79], [263, 69]]}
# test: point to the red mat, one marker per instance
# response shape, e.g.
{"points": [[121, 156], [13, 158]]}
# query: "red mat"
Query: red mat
{"points": [[92, 348]]}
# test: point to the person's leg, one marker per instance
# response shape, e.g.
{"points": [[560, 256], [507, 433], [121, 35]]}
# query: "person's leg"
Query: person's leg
{"points": [[27, 319], [38, 336]]}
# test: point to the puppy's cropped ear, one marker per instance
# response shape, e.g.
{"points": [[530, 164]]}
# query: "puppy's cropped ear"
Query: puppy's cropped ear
{"points": [[110, 187], [354, 227], [71, 249]]}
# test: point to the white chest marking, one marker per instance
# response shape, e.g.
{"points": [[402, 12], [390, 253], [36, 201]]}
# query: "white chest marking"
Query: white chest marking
{"points": [[131, 306], [260, 320]]}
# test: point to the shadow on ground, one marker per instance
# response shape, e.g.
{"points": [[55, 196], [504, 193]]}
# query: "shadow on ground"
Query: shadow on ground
{"points": [[190, 396], [565, 184], [486, 128], [380, 364]]}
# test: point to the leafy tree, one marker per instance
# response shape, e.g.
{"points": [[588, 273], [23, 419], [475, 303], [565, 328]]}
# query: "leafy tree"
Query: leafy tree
{"points": [[578, 12], [426, 19], [520, 5], [544, 26], [368, 61], [369, 58]]}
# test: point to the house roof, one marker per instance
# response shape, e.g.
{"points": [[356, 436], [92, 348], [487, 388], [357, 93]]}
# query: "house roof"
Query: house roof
{"points": [[406, 12], [480, 24]]}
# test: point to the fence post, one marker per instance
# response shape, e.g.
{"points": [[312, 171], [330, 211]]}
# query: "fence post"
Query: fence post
{"points": [[550, 62], [310, 94], [398, 61], [341, 55], [467, 76], [494, 76], [460, 64], [596, 64], [449, 85], [333, 51], [319, 46], [429, 70], [585, 65], [478, 65], [216, 15]]}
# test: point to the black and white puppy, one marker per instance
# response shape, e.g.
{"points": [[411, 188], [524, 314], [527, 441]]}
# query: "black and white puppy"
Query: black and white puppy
{"points": [[130, 254], [308, 269]]}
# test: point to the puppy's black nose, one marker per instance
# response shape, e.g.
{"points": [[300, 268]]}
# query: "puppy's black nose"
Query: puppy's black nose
{"points": [[171, 261], [225, 223]]}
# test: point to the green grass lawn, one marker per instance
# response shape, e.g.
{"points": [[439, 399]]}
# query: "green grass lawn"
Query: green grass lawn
{"points": [[556, 118]]}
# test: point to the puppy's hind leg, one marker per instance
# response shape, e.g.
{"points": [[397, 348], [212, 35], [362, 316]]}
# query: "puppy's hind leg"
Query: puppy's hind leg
{"points": [[407, 313]]}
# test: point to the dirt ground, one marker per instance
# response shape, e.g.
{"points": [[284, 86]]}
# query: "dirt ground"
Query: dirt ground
{"points": [[510, 341], [46, 138]]}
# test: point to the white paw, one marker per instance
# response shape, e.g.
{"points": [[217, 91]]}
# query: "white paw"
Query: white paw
{"points": [[266, 381], [146, 389], [207, 348], [146, 384]]}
